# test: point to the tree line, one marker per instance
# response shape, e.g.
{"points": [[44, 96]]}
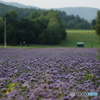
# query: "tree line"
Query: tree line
{"points": [[37, 28], [74, 22], [68, 21]]}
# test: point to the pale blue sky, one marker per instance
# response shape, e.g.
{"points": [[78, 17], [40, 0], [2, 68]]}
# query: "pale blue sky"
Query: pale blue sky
{"points": [[59, 3]]}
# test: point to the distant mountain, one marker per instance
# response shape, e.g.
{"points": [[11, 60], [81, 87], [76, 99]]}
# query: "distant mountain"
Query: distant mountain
{"points": [[84, 12], [21, 12], [15, 4], [68, 21]]}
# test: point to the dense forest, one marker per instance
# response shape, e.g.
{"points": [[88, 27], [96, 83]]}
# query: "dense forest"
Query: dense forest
{"points": [[73, 22], [36, 26], [68, 21]]}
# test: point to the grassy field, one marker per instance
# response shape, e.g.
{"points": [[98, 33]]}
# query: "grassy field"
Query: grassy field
{"points": [[89, 38], [33, 46]]}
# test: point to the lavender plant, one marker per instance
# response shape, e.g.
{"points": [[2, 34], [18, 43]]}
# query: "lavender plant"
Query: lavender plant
{"points": [[48, 74]]}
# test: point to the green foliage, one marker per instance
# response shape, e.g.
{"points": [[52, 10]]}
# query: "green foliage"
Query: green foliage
{"points": [[34, 14], [38, 28], [98, 25], [11, 87], [21, 12], [98, 29], [93, 23], [93, 78], [88, 77], [65, 19], [34, 26], [1, 22], [74, 22], [1, 30], [54, 31]]}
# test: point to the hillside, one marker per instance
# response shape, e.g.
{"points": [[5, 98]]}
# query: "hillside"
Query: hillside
{"points": [[84, 12], [21, 12], [68, 21]]}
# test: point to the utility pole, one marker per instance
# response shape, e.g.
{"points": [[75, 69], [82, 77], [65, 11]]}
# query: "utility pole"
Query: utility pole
{"points": [[5, 42]]}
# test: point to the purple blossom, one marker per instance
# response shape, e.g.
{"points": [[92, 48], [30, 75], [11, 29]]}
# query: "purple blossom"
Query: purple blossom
{"points": [[48, 73]]}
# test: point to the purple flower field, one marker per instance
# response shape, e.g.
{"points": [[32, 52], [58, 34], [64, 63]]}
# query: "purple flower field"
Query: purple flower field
{"points": [[49, 73]]}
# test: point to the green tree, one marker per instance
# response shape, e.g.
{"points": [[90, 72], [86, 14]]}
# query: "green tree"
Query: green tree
{"points": [[98, 25], [93, 23], [11, 22], [34, 15], [11, 17], [54, 32], [39, 27], [26, 31], [1, 30]]}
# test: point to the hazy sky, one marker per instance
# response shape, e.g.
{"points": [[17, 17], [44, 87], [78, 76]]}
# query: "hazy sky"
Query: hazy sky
{"points": [[59, 3]]}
